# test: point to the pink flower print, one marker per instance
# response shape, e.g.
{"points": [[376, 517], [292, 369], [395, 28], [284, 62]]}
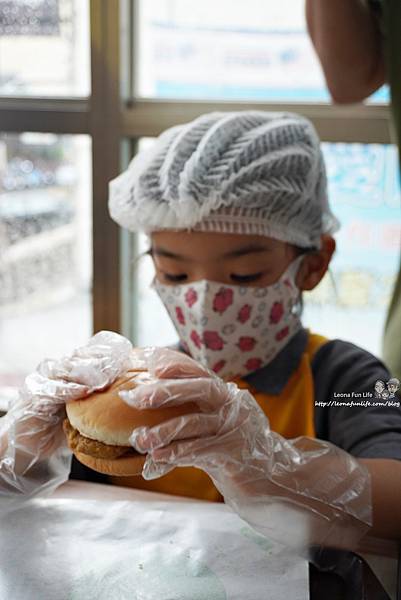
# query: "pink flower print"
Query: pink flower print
{"points": [[191, 297], [212, 340], [180, 315], [244, 313], [276, 312], [218, 366], [282, 334], [246, 343], [195, 338], [222, 300], [253, 363]]}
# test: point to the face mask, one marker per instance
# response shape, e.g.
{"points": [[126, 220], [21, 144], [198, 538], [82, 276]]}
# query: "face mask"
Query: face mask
{"points": [[232, 329]]}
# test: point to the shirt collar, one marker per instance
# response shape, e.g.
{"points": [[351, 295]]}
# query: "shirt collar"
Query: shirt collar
{"points": [[272, 378]]}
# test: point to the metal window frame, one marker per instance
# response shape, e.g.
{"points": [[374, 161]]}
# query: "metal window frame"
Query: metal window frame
{"points": [[116, 122]]}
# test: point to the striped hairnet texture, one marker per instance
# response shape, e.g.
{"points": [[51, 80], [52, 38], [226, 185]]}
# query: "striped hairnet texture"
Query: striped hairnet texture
{"points": [[249, 172]]}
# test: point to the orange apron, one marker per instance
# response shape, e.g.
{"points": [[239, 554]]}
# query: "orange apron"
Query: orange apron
{"points": [[290, 413]]}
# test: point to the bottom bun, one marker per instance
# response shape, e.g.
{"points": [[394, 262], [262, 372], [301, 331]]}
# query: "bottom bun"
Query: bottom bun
{"points": [[124, 466]]}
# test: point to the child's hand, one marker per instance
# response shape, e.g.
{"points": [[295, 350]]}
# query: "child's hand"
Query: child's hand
{"points": [[33, 455], [300, 492], [89, 368], [224, 431]]}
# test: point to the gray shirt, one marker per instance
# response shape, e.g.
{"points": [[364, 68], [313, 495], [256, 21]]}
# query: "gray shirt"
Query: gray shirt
{"points": [[346, 410]]}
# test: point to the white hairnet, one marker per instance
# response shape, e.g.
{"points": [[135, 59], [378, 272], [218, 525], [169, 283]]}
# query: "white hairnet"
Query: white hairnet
{"points": [[249, 172]]}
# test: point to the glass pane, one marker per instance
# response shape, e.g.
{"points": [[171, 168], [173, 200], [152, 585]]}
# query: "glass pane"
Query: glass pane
{"points": [[352, 304], [45, 250], [365, 195], [228, 50], [44, 48]]}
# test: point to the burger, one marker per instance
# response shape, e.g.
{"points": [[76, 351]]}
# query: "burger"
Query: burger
{"points": [[98, 427]]}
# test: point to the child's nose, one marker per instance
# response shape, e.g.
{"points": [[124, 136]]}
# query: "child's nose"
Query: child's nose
{"points": [[211, 273]]}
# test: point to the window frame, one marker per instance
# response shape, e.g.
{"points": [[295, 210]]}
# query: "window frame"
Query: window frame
{"points": [[115, 120]]}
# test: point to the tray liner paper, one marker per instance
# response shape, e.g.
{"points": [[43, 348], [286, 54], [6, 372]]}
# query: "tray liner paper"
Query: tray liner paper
{"points": [[68, 549]]}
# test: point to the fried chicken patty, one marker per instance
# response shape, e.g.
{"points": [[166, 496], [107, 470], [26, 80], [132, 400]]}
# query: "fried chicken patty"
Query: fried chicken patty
{"points": [[79, 443]]}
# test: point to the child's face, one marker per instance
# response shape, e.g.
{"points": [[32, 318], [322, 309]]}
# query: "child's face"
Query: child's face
{"points": [[255, 261]]}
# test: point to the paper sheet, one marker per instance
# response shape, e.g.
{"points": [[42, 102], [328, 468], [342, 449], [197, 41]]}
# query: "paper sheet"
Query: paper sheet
{"points": [[83, 550]]}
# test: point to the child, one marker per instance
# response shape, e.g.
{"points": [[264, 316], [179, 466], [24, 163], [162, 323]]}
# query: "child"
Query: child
{"points": [[236, 208], [237, 212]]}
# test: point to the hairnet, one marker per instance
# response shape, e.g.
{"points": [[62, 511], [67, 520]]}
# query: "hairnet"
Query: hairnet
{"points": [[250, 172]]}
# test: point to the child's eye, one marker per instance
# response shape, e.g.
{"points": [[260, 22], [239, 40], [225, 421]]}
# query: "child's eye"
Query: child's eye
{"points": [[245, 278], [175, 278]]}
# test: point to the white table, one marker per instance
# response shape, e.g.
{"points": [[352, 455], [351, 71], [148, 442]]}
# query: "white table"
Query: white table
{"points": [[381, 555], [103, 542]]}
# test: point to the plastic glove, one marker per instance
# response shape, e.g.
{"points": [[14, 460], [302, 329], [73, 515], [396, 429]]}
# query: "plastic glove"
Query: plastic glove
{"points": [[299, 492], [34, 458]]}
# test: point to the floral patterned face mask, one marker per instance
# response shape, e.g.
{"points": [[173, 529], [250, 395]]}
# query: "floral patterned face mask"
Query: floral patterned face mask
{"points": [[232, 329]]}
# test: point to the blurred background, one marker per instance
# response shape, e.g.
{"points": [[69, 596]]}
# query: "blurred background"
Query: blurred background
{"points": [[84, 84]]}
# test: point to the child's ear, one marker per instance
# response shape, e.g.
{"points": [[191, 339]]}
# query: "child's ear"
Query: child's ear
{"points": [[315, 265]]}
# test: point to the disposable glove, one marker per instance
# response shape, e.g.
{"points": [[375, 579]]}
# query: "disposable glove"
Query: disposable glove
{"points": [[300, 492], [34, 458]]}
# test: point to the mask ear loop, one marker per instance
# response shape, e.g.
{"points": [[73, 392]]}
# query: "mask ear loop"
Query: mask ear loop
{"points": [[292, 271], [298, 307]]}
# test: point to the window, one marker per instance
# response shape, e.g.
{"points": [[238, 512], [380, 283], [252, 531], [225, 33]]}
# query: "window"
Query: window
{"points": [[46, 252], [44, 48], [50, 138], [351, 301], [45, 240], [228, 50]]}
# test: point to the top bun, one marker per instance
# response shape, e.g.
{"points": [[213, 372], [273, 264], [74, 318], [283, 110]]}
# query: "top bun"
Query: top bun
{"points": [[106, 418]]}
